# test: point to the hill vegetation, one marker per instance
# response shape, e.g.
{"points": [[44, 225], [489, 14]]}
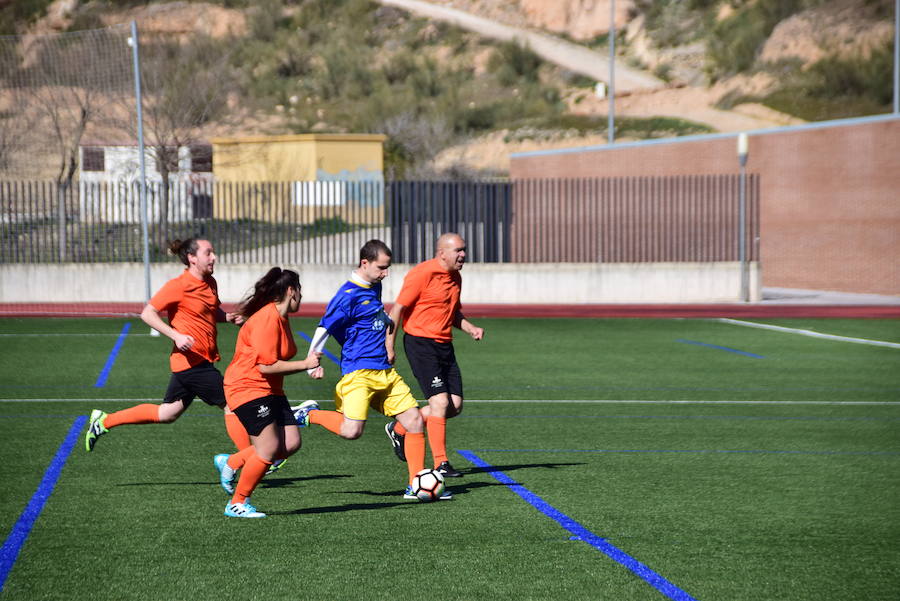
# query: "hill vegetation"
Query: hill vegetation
{"points": [[358, 66]]}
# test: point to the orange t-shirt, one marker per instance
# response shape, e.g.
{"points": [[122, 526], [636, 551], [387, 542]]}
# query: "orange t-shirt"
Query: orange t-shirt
{"points": [[192, 305], [263, 339], [430, 294]]}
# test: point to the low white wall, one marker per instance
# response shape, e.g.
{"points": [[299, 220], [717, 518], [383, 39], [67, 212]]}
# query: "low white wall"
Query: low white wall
{"points": [[537, 283]]}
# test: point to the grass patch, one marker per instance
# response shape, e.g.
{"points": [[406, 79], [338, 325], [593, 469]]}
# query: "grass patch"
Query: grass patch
{"points": [[725, 501]]}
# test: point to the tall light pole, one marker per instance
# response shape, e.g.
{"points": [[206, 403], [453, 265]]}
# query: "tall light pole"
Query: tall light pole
{"points": [[896, 57], [134, 43], [611, 118], [742, 218]]}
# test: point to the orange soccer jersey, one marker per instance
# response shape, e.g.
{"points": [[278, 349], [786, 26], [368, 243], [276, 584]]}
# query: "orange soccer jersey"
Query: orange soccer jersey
{"points": [[430, 294], [192, 305], [264, 339]]}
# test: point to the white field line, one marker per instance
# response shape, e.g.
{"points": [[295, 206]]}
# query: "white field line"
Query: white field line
{"points": [[540, 401], [58, 334], [811, 333]]}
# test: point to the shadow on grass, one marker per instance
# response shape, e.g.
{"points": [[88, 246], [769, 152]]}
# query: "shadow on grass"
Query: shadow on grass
{"points": [[266, 483], [457, 486], [513, 467]]}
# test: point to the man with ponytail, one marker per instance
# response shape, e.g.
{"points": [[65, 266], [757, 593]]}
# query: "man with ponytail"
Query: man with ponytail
{"points": [[254, 387], [192, 303], [355, 318]]}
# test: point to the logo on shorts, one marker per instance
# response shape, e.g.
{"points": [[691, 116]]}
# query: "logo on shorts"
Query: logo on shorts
{"points": [[263, 411], [437, 382]]}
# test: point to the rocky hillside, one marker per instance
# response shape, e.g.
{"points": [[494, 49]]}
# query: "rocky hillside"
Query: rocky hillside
{"points": [[451, 100]]}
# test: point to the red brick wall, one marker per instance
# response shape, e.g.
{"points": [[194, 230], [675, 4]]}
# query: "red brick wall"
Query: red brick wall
{"points": [[829, 195]]}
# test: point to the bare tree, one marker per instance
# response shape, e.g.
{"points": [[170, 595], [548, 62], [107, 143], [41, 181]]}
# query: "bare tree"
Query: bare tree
{"points": [[67, 80], [185, 83]]}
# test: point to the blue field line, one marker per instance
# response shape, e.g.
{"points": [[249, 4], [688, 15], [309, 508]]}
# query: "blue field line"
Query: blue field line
{"points": [[698, 451], [721, 348], [581, 533], [104, 373], [325, 352], [20, 530]]}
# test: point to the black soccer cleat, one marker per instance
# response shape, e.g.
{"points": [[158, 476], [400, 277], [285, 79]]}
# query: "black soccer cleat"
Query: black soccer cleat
{"points": [[396, 440], [447, 470]]}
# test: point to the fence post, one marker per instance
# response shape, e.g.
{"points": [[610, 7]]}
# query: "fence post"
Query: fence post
{"points": [[61, 217]]}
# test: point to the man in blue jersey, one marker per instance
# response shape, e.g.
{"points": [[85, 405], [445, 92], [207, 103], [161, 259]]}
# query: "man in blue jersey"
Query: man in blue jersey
{"points": [[356, 319]]}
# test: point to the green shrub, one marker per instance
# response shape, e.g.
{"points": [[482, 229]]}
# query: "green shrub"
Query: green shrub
{"points": [[860, 76], [511, 62], [734, 42]]}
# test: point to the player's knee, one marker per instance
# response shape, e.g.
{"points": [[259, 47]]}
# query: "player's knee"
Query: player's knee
{"points": [[415, 423], [440, 402]]}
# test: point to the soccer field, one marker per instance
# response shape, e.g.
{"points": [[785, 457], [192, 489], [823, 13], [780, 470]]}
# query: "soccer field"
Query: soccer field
{"points": [[623, 459]]}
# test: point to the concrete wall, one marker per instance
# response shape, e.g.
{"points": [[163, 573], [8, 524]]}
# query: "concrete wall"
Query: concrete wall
{"points": [[538, 283], [829, 194]]}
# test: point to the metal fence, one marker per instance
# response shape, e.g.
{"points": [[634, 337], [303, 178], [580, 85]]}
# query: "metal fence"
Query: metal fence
{"points": [[616, 220]]}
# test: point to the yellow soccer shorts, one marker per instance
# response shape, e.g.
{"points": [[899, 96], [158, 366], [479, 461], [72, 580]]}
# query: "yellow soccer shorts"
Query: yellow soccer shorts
{"points": [[381, 389]]}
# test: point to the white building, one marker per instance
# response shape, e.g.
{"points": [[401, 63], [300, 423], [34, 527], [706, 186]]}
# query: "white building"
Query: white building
{"points": [[109, 188]]}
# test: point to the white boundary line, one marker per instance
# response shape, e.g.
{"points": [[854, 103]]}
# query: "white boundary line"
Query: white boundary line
{"points": [[764, 326], [526, 401], [58, 334]]}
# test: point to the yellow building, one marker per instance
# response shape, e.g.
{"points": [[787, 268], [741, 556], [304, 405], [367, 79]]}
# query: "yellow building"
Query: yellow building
{"points": [[301, 177], [301, 157]]}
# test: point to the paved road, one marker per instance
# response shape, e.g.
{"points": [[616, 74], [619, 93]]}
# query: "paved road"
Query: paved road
{"points": [[565, 54]]}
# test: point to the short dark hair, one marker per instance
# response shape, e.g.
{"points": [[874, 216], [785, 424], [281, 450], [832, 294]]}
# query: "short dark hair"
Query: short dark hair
{"points": [[371, 249]]}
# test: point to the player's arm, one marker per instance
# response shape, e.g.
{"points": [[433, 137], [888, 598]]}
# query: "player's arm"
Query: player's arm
{"points": [[396, 316], [151, 316], [467, 326], [291, 367], [317, 345], [235, 318]]}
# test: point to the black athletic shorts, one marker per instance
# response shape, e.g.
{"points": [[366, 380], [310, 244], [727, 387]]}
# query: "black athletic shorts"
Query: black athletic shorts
{"points": [[203, 380], [259, 413], [434, 365]]}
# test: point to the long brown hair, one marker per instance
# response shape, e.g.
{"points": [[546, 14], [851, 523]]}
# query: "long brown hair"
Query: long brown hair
{"points": [[270, 288]]}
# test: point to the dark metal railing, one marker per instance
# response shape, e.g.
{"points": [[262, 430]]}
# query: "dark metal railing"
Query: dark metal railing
{"points": [[612, 220]]}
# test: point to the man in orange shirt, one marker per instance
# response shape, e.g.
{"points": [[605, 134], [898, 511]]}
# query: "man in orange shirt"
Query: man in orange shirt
{"points": [[428, 308], [193, 306]]}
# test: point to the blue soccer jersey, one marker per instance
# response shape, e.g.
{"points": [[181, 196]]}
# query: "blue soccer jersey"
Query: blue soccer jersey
{"points": [[355, 318]]}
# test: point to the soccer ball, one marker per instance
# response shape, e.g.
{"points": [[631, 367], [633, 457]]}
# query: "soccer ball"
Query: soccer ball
{"points": [[428, 485]]}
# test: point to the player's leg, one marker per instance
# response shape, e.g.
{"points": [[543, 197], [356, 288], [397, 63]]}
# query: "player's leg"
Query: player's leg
{"points": [[261, 420], [206, 382], [437, 427], [352, 395], [397, 401], [146, 413]]}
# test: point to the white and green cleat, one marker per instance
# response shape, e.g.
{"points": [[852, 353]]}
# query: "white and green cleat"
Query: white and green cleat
{"points": [[95, 429]]}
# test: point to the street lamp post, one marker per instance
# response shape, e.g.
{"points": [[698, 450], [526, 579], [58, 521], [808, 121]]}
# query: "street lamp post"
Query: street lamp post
{"points": [[611, 117], [742, 218]]}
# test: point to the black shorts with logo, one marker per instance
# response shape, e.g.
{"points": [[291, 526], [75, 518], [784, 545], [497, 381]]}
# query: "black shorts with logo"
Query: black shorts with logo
{"points": [[434, 365], [259, 413], [203, 380]]}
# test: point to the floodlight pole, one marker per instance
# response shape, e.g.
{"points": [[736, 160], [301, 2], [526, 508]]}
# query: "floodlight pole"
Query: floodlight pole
{"points": [[742, 218], [896, 57], [133, 42], [611, 117]]}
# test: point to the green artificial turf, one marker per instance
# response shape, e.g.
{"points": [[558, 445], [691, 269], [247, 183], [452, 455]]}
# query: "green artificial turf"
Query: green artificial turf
{"points": [[783, 484]]}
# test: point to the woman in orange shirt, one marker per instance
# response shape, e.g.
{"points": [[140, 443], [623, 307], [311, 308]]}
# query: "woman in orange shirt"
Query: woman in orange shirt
{"points": [[254, 386], [192, 303]]}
